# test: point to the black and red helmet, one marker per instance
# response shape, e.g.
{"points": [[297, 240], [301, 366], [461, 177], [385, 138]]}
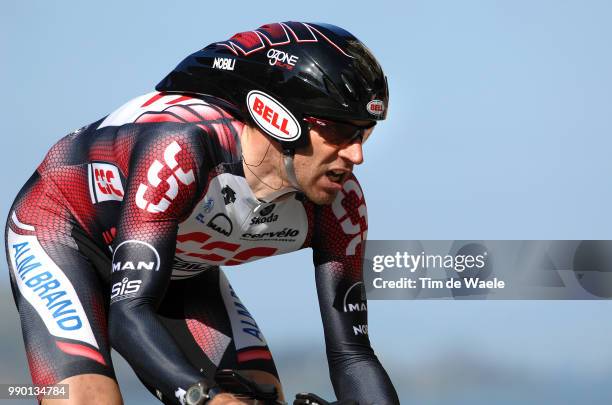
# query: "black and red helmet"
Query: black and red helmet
{"points": [[282, 73]]}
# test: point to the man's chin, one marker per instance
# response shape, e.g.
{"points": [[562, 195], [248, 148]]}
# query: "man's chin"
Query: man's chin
{"points": [[320, 197]]}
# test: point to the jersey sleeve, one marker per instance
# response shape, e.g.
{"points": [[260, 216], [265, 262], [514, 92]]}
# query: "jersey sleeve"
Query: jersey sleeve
{"points": [[338, 243], [163, 181]]}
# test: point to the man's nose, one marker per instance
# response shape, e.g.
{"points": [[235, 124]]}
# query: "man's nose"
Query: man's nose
{"points": [[352, 152]]}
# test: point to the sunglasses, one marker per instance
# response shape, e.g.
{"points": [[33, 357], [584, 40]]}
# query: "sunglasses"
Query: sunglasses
{"points": [[340, 133]]}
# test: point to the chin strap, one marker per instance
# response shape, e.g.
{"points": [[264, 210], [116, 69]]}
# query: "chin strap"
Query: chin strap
{"points": [[293, 184], [289, 168]]}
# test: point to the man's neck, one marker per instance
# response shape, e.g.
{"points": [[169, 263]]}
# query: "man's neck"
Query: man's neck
{"points": [[262, 161]]}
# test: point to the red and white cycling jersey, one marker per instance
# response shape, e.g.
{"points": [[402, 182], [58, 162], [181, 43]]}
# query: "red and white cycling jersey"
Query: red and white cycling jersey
{"points": [[155, 193]]}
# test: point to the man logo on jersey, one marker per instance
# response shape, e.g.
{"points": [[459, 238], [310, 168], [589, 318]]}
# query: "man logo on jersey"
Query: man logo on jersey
{"points": [[135, 255], [354, 299], [222, 224]]}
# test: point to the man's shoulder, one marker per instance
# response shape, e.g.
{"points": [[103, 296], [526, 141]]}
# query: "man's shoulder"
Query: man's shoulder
{"points": [[349, 199], [343, 224], [157, 119], [160, 107]]}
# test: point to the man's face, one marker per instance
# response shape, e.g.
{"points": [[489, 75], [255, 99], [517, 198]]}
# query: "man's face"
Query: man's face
{"points": [[322, 167]]}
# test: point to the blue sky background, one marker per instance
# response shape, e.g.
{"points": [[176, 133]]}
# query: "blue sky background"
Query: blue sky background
{"points": [[498, 128]]}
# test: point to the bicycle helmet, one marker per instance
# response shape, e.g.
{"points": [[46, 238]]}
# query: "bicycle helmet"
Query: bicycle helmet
{"points": [[279, 74]]}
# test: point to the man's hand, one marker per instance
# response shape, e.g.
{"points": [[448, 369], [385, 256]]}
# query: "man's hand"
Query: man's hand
{"points": [[312, 399]]}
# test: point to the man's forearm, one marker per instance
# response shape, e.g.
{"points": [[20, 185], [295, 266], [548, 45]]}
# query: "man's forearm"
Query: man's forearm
{"points": [[137, 334]]}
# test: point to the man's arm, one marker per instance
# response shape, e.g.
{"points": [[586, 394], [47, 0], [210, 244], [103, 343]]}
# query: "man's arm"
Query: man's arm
{"points": [[340, 230], [162, 186]]}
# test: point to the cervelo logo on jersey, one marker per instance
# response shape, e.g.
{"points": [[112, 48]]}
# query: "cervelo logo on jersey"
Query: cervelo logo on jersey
{"points": [[104, 183], [124, 289], [45, 286], [135, 255], [224, 63], [376, 107], [276, 57], [156, 167], [350, 228], [287, 234], [272, 116]]}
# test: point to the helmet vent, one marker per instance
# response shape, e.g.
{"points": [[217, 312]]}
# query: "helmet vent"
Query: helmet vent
{"points": [[350, 87], [332, 91]]}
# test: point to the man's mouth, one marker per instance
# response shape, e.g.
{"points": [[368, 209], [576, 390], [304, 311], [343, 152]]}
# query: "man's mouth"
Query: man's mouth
{"points": [[336, 176]]}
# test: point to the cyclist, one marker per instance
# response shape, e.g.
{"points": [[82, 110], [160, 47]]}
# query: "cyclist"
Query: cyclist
{"points": [[244, 151]]}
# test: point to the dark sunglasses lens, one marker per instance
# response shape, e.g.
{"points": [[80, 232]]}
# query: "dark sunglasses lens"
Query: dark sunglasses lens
{"points": [[366, 134], [337, 133]]}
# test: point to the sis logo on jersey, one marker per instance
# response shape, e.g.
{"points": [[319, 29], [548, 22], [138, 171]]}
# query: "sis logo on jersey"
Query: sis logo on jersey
{"points": [[124, 289], [272, 116], [177, 175]]}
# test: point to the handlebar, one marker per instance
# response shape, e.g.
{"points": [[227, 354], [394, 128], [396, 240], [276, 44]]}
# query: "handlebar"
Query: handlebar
{"points": [[244, 388]]}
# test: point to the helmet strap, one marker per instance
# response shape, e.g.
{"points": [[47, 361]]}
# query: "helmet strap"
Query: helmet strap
{"points": [[289, 167]]}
